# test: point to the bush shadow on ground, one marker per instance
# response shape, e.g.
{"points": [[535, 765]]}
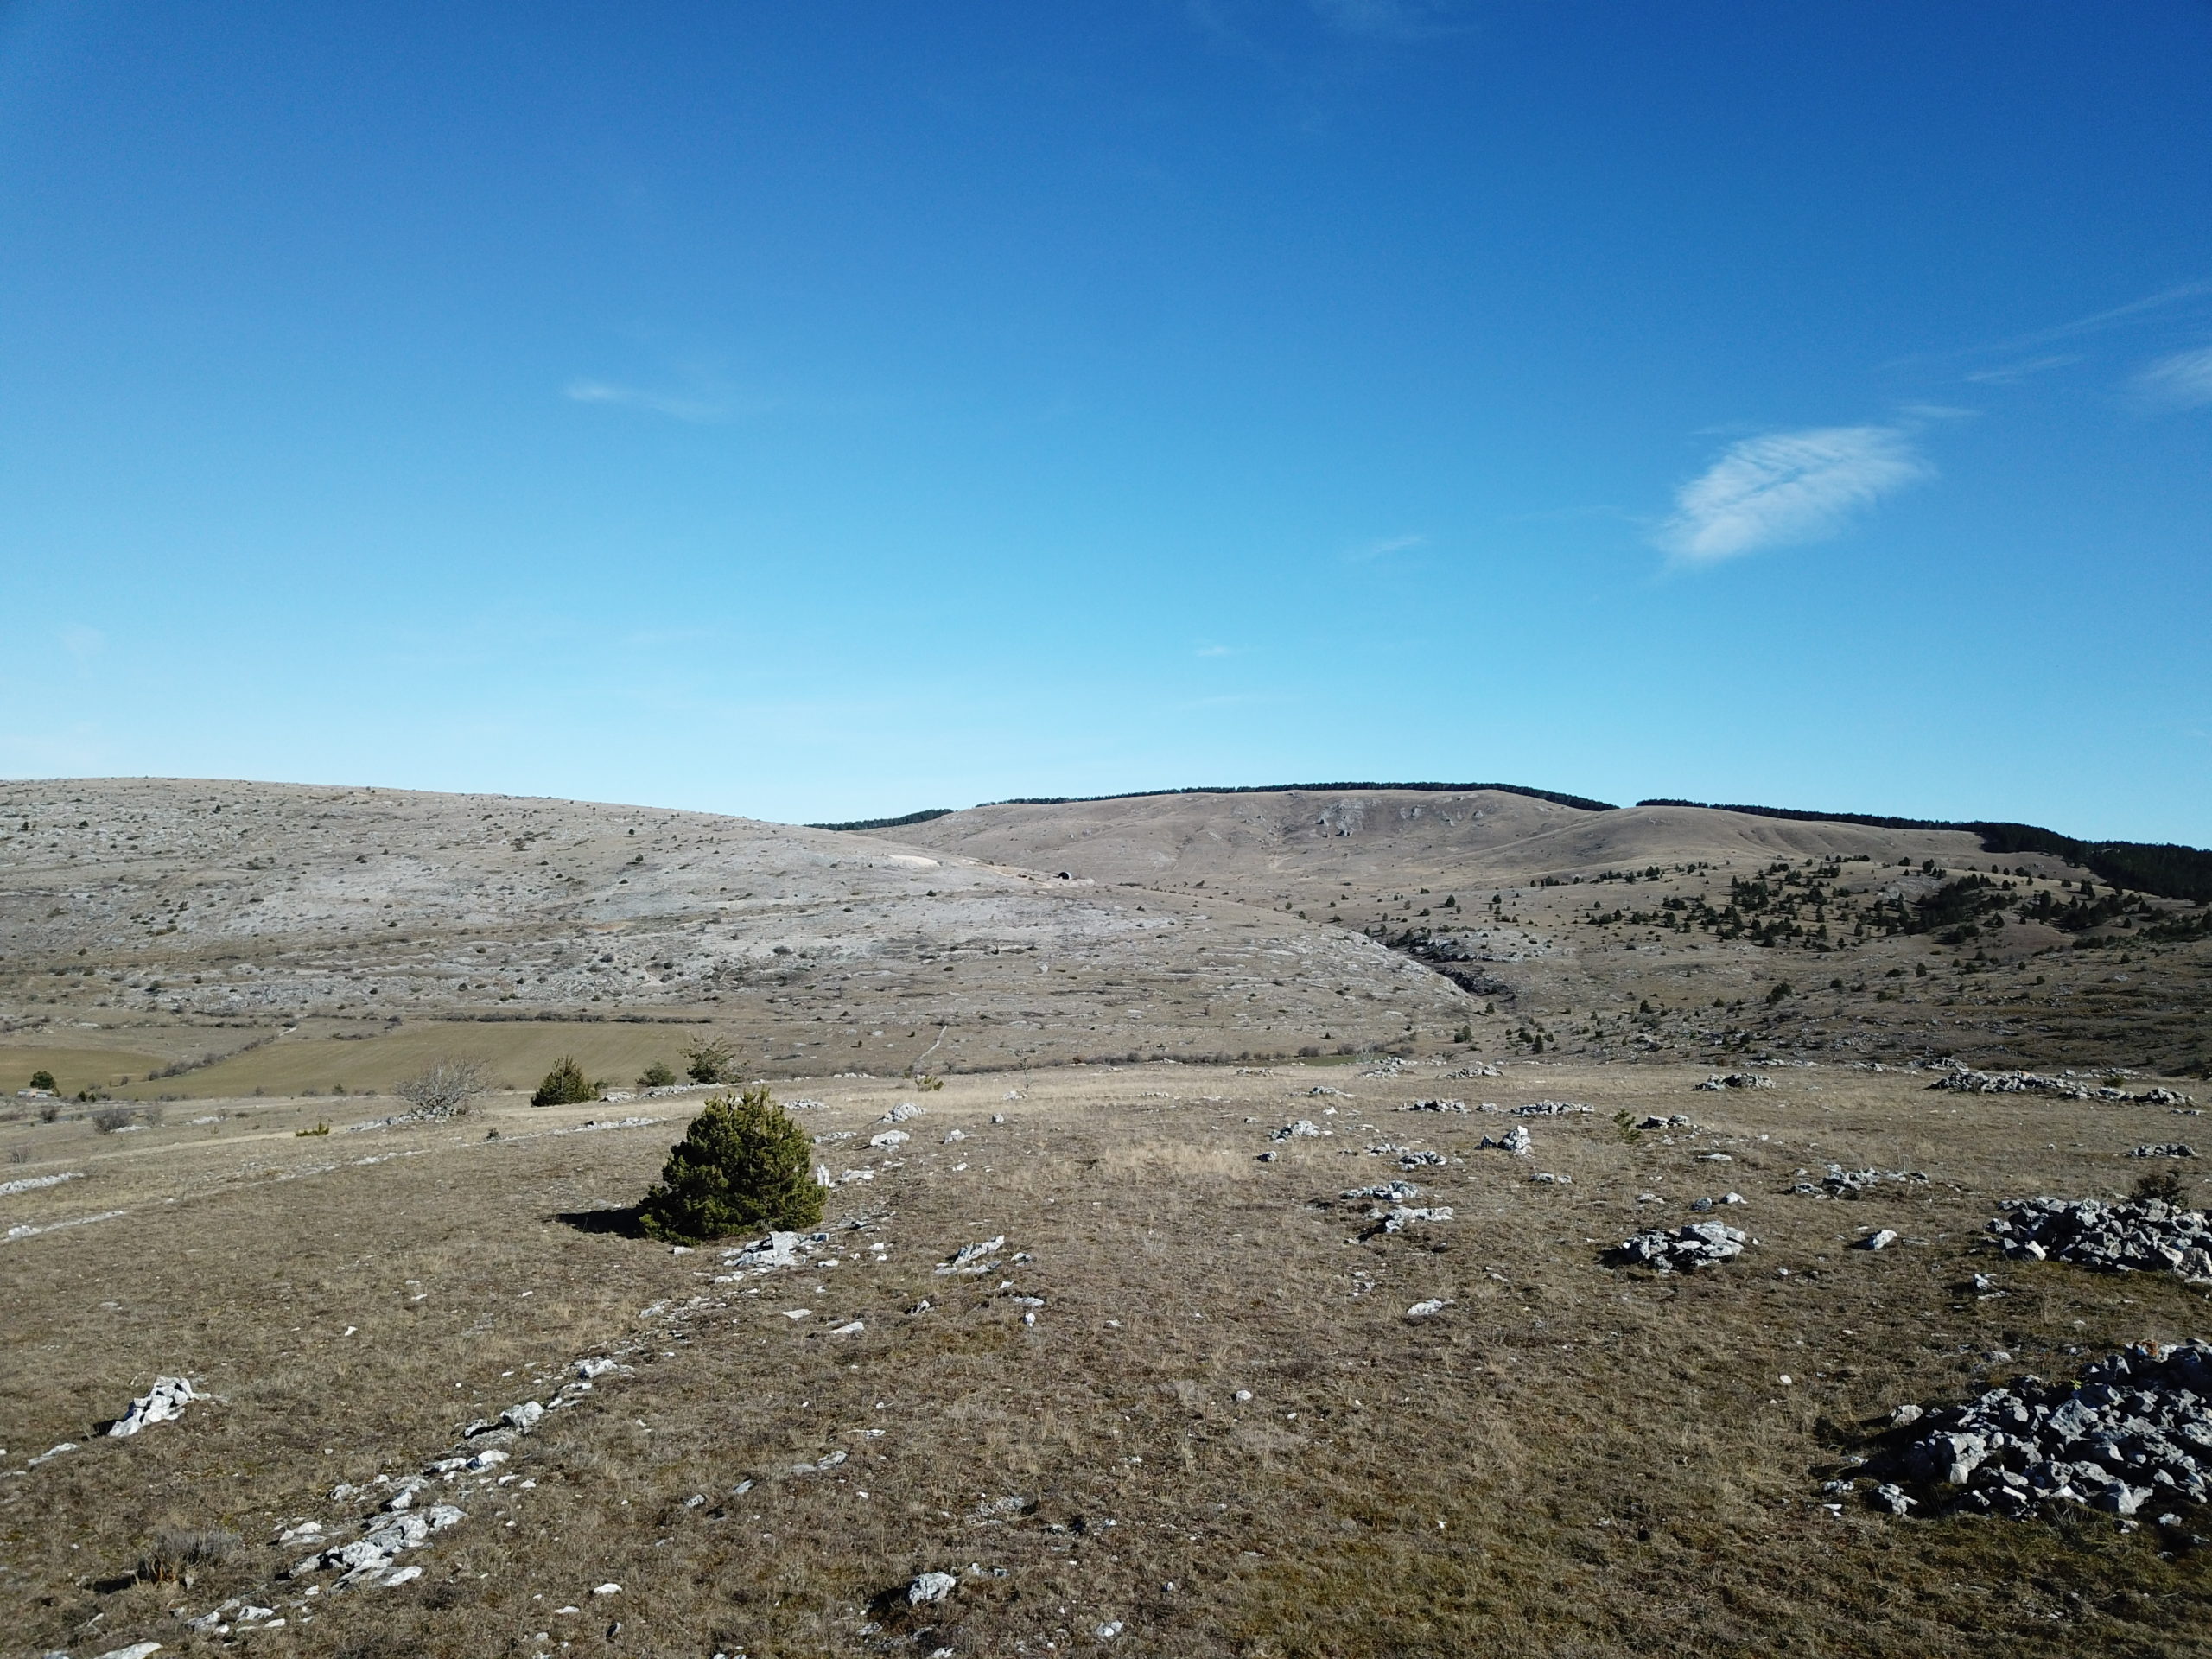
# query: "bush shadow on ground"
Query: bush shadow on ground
{"points": [[622, 1221]]}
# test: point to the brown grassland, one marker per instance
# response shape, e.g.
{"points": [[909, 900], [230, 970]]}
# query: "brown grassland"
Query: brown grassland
{"points": [[1568, 1460]]}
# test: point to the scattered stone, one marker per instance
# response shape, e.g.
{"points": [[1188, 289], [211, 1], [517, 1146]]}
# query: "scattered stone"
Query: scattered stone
{"points": [[1432, 1106], [902, 1111], [136, 1651], [1715, 1157], [763, 1255], [1986, 1286], [1720, 1080], [1673, 1121], [1553, 1180], [951, 1135], [1399, 1217], [387, 1535], [2146, 1235], [1515, 1142], [1878, 1240], [2135, 1426], [1841, 1183], [1699, 1244], [1428, 1310], [1551, 1108], [524, 1417], [1905, 1416], [1891, 1497], [1479, 1069], [931, 1586], [1300, 1130], [889, 1139], [1388, 1191], [588, 1368], [1108, 1631], [1324, 1088], [2169, 1149], [1702, 1205], [1267, 1157], [163, 1403], [853, 1329], [607, 1590], [973, 1258], [33, 1183], [2065, 1087]]}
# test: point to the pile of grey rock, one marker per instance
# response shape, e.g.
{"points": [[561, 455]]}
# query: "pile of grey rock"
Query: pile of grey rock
{"points": [[1672, 1120], [1700, 1244], [2148, 1236], [1515, 1140], [1434, 1106], [162, 1403], [2165, 1149], [2135, 1430], [1551, 1108], [1720, 1080], [1299, 1130], [1841, 1183], [2065, 1087]]}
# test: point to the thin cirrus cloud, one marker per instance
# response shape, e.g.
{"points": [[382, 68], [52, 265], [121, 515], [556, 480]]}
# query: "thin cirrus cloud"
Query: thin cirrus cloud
{"points": [[1384, 548], [1785, 488], [674, 406], [2181, 381]]}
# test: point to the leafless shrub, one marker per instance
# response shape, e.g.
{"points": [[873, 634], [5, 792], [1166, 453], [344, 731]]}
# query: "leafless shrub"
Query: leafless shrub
{"points": [[177, 1554], [106, 1120], [444, 1090], [48, 1111]]}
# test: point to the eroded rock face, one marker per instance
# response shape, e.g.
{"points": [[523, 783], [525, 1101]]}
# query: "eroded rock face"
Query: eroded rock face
{"points": [[2145, 1236], [2135, 1430]]}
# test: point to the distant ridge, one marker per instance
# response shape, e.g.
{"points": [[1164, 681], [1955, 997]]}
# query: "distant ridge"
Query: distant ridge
{"points": [[2166, 868], [1581, 801], [921, 817]]}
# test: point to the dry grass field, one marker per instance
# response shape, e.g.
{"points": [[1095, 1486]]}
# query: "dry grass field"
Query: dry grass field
{"points": [[1221, 1433]]}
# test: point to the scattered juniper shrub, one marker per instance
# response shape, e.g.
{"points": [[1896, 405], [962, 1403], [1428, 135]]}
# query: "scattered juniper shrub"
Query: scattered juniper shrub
{"points": [[743, 1166], [709, 1060], [45, 1080], [658, 1075], [564, 1085], [2164, 1185]]}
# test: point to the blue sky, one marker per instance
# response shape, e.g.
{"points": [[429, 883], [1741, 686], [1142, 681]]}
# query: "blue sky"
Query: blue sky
{"points": [[828, 410]]}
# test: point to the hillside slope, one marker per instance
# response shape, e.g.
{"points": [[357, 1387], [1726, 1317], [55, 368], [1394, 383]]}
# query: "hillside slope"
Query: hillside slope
{"points": [[1673, 927], [128, 904]]}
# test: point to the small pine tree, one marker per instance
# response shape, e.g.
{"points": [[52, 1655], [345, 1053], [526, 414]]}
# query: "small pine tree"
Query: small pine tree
{"points": [[709, 1060], [564, 1085], [742, 1166], [658, 1075]]}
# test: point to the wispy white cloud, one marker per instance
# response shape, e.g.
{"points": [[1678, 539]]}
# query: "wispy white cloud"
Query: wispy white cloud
{"points": [[2006, 373], [1783, 488], [2181, 381], [1383, 548], [1389, 20], [659, 403]]}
